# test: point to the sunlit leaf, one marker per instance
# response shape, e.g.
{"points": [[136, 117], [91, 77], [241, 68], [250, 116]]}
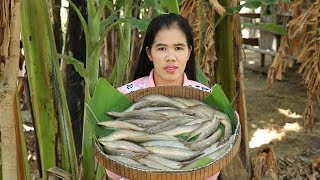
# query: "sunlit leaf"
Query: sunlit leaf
{"points": [[270, 27]]}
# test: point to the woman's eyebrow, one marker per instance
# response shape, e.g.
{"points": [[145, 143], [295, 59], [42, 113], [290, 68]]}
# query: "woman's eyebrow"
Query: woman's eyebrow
{"points": [[180, 44], [177, 44], [160, 44]]}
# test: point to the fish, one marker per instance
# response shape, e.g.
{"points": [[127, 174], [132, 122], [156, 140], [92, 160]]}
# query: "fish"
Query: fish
{"points": [[163, 161], [144, 123], [125, 153], [175, 154], [135, 136], [158, 97], [167, 125], [158, 103], [189, 102], [180, 130], [209, 129], [124, 145], [200, 145], [205, 129], [169, 143], [120, 124], [203, 109], [227, 130], [172, 113], [153, 164], [152, 132], [137, 114], [124, 160], [215, 155]]}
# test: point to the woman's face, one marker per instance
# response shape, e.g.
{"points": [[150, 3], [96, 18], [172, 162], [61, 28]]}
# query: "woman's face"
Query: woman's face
{"points": [[169, 54]]}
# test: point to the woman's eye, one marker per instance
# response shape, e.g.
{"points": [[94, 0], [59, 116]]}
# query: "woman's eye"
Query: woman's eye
{"points": [[179, 48], [161, 49]]}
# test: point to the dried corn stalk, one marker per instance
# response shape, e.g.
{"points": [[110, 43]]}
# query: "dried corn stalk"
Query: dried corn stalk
{"points": [[201, 17], [303, 32]]}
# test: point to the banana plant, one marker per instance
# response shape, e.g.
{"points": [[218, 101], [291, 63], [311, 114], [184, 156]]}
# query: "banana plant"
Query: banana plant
{"points": [[49, 105]]}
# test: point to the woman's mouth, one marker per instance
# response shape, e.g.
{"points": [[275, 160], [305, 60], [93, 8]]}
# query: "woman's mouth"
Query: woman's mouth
{"points": [[171, 69]]}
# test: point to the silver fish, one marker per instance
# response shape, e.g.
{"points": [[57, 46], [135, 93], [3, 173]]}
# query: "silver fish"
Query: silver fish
{"points": [[124, 160], [166, 162], [200, 145], [153, 164], [209, 129], [124, 145], [205, 129], [157, 103], [125, 153], [227, 130], [180, 130], [169, 123], [120, 124], [173, 113], [137, 114], [158, 97], [135, 136], [217, 154], [203, 109], [176, 154], [168, 143], [144, 123], [189, 102]]}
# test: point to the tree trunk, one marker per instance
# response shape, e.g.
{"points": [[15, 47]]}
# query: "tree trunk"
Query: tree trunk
{"points": [[9, 64], [73, 82]]}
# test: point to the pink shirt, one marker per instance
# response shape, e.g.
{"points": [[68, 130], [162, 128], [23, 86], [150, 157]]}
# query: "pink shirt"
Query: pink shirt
{"points": [[146, 82]]}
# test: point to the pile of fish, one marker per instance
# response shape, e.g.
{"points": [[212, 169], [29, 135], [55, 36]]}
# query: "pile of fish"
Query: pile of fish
{"points": [[166, 133]]}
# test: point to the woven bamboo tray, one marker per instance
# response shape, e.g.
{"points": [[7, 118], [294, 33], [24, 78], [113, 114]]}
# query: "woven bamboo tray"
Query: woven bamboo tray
{"points": [[193, 174]]}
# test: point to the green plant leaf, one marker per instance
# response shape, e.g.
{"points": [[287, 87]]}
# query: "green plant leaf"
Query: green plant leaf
{"points": [[140, 24], [110, 19], [252, 4], [96, 20], [78, 65], [201, 77], [105, 98], [201, 162], [270, 27], [170, 5], [153, 4], [267, 2]]}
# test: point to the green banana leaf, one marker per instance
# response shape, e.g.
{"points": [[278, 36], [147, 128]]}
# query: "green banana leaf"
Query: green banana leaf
{"points": [[107, 98]]}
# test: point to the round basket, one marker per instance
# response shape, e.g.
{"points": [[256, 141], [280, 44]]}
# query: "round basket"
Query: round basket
{"points": [[197, 173]]}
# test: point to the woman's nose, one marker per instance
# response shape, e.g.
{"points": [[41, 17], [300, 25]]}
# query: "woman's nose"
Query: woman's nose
{"points": [[171, 56]]}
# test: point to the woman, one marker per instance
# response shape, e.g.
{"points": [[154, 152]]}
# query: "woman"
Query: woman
{"points": [[167, 56], [166, 59]]}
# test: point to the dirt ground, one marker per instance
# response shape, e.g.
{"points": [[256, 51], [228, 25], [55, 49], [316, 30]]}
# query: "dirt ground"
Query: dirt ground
{"points": [[274, 118]]}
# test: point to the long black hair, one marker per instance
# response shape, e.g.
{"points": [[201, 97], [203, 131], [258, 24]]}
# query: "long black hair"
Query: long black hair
{"points": [[159, 22]]}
